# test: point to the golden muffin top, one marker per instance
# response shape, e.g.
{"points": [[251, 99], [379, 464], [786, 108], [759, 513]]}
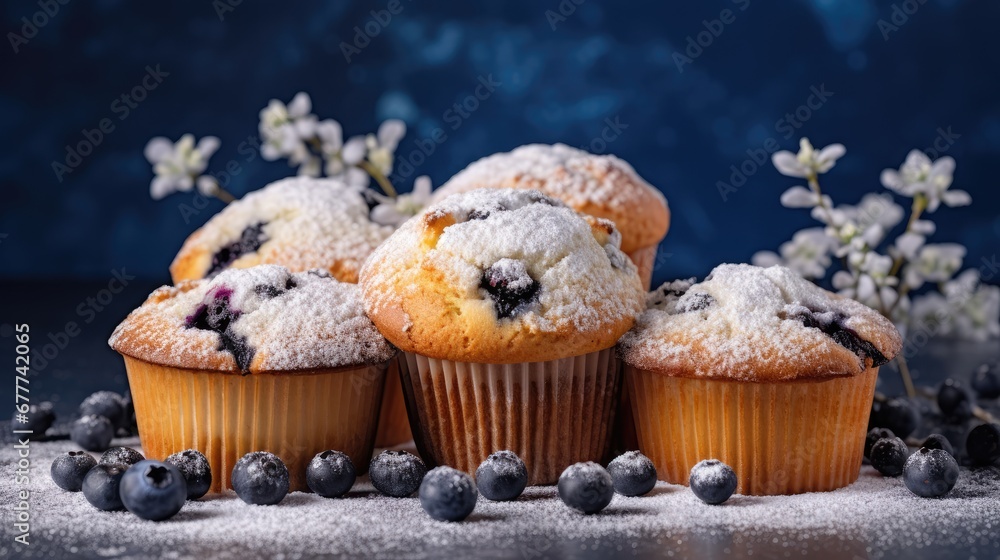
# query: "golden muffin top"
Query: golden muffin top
{"points": [[251, 320], [300, 223], [749, 323], [502, 276], [599, 185]]}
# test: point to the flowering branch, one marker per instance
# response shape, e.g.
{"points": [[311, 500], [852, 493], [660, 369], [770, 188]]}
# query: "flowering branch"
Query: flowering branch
{"points": [[961, 305], [292, 132]]}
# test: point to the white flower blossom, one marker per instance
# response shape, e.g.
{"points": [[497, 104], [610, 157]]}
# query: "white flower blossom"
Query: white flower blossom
{"points": [[931, 314], [808, 253], [395, 211], [934, 263], [382, 145], [975, 306], [869, 280], [177, 166], [808, 162], [918, 175], [285, 131]]}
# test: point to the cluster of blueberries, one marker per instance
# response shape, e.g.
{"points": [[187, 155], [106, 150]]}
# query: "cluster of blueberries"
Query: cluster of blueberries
{"points": [[104, 415], [124, 479], [954, 433]]}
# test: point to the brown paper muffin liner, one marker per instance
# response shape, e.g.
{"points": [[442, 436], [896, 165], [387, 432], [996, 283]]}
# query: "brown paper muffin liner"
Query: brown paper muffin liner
{"points": [[552, 414], [393, 423], [780, 438], [294, 415], [645, 261]]}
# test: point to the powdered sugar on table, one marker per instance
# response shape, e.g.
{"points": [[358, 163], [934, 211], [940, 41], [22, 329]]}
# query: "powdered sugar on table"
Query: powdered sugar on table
{"points": [[874, 518]]}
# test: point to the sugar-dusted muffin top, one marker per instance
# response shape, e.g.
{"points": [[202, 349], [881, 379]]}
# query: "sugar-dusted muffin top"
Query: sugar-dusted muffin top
{"points": [[600, 185], [749, 323], [252, 320], [502, 276], [300, 223]]}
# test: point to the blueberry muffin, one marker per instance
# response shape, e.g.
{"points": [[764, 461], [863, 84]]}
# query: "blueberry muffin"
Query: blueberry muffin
{"points": [[256, 359], [599, 185], [760, 369], [300, 223], [507, 305]]}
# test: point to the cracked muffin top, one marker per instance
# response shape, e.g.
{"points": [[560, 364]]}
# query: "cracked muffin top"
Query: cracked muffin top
{"points": [[502, 276], [747, 323], [250, 320], [599, 185], [300, 223]]}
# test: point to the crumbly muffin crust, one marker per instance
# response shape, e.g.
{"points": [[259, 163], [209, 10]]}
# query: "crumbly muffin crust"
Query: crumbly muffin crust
{"points": [[599, 185], [749, 323], [502, 276], [300, 223], [260, 319]]}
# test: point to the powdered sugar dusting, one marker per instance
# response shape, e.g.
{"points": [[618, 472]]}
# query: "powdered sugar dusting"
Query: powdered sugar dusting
{"points": [[525, 236], [307, 223], [287, 322], [752, 323], [600, 184], [875, 517]]}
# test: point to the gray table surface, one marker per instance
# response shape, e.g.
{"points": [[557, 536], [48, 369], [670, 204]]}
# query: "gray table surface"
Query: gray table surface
{"points": [[538, 526]]}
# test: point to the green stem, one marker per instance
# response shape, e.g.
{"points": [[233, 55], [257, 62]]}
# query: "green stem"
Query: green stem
{"points": [[381, 179]]}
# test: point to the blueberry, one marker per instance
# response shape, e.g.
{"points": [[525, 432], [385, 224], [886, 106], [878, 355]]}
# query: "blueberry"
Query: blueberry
{"points": [[986, 380], [121, 456], [260, 478], [92, 433], [938, 441], [69, 469], [874, 435], [586, 487], [196, 470], [396, 473], [983, 444], [104, 403], [251, 238], [930, 473], [954, 400], [502, 476], [153, 490], [713, 481], [632, 473], [128, 427], [447, 494], [331, 474], [40, 418], [100, 486], [889, 455], [510, 287], [834, 325], [216, 314], [898, 415]]}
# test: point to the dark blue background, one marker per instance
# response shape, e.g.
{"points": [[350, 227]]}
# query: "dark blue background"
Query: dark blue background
{"points": [[686, 127]]}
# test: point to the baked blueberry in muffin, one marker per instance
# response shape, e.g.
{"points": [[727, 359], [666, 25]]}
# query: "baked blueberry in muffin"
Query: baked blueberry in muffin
{"points": [[300, 223]]}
